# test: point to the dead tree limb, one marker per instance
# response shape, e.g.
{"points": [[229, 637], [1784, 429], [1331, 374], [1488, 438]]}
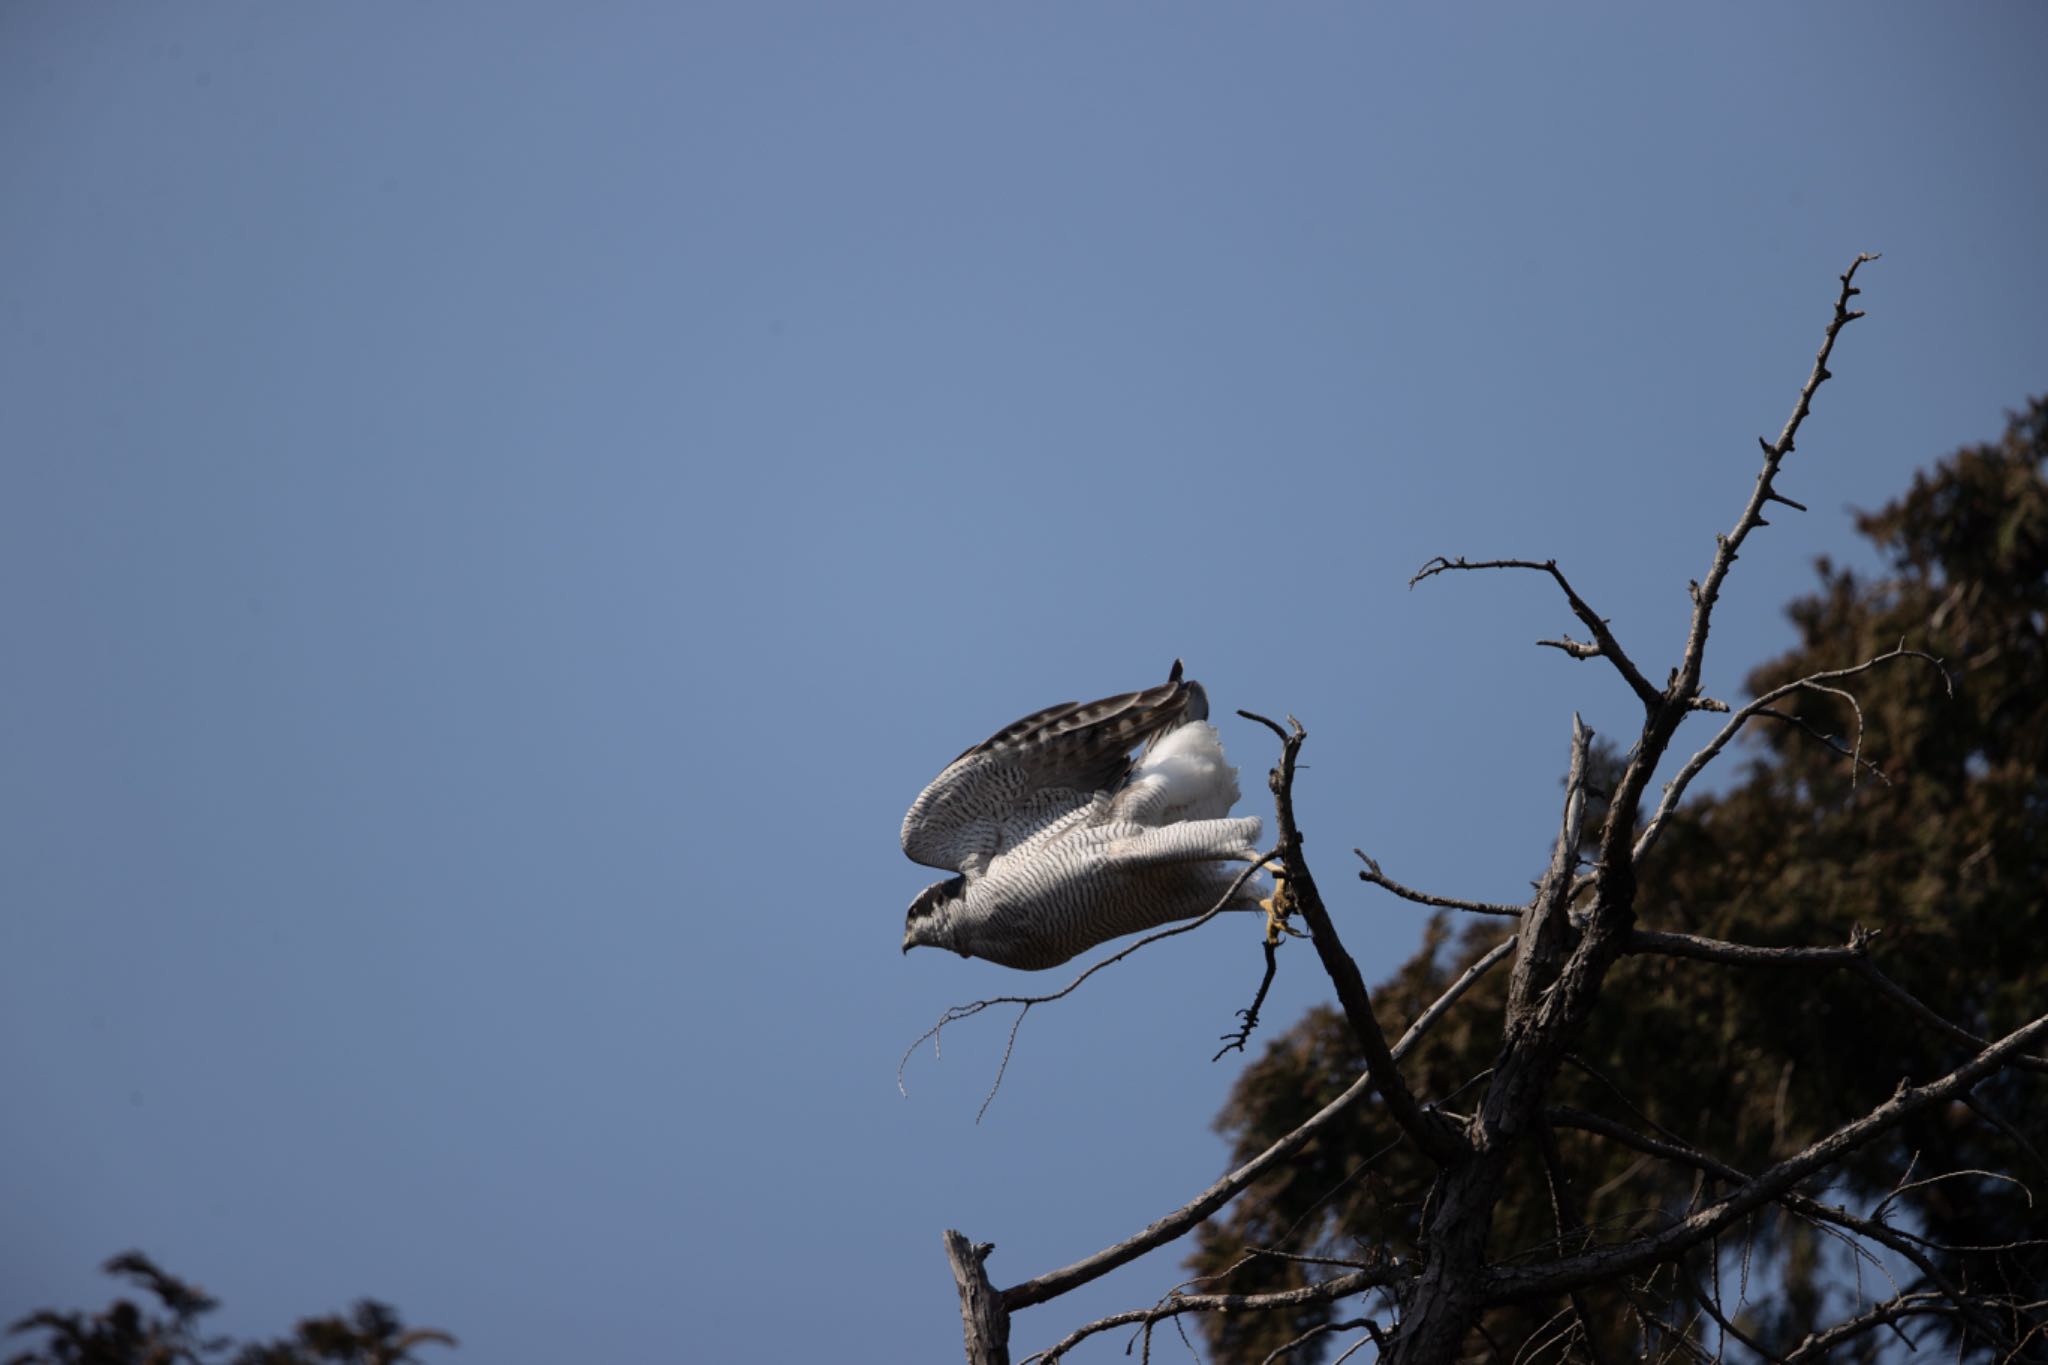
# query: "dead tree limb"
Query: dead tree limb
{"points": [[1604, 645], [1429, 1131], [982, 1315], [1374, 876]]}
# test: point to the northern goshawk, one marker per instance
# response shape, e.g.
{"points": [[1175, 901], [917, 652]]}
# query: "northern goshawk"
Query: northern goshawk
{"points": [[1062, 841]]}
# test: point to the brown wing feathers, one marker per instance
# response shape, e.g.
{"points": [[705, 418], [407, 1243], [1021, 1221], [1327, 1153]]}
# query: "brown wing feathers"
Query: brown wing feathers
{"points": [[1137, 714], [1076, 746]]}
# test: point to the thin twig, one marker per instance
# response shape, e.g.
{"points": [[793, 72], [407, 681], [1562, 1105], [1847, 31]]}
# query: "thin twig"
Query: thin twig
{"points": [[1911, 1185], [1378, 878], [1235, 1041], [955, 1013], [1854, 753]]}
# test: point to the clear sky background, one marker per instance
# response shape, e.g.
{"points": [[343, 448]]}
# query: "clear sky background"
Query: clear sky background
{"points": [[502, 507]]}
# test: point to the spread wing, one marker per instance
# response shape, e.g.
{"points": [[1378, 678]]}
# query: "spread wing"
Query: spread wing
{"points": [[1033, 772]]}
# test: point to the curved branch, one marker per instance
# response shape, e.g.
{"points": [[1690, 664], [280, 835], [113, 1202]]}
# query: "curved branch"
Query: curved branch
{"points": [[1604, 645], [1674, 790], [1287, 1348]]}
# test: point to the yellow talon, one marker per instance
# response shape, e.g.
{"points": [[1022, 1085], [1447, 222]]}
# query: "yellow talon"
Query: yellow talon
{"points": [[1278, 907]]}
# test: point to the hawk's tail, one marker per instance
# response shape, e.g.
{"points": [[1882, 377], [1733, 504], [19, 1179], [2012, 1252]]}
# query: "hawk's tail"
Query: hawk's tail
{"points": [[1182, 775]]}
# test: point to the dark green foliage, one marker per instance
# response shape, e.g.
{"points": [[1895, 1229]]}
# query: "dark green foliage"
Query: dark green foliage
{"points": [[1945, 854], [126, 1333]]}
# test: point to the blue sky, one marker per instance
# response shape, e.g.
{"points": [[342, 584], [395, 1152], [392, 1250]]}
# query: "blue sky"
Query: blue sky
{"points": [[501, 508]]}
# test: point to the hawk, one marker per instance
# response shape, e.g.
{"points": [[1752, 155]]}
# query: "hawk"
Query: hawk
{"points": [[1062, 841]]}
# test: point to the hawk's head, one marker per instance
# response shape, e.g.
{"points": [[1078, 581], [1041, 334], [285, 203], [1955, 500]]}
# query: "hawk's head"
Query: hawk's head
{"points": [[930, 921]]}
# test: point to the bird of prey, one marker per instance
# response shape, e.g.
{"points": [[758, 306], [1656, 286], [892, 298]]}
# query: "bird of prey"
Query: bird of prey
{"points": [[1062, 841]]}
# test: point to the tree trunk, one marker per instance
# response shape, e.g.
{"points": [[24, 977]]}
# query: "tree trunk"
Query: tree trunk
{"points": [[982, 1315]]}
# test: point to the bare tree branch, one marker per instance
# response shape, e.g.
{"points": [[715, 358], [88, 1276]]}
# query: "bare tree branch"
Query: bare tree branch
{"points": [[1285, 1349], [1685, 683], [1235, 1040], [1373, 875], [1604, 645], [1431, 1132], [1744, 954]]}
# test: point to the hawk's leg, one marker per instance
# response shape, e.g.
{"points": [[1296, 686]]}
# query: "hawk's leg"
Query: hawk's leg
{"points": [[1278, 907]]}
